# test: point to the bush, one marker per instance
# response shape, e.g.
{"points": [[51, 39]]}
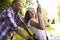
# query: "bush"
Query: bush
{"points": [[4, 4]]}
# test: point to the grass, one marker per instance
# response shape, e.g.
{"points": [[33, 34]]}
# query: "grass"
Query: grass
{"points": [[48, 29], [17, 37]]}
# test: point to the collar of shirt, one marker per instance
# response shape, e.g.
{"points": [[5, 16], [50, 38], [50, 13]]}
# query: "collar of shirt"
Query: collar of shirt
{"points": [[13, 11]]}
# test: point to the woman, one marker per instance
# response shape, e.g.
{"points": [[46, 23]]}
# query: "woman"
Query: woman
{"points": [[36, 26]]}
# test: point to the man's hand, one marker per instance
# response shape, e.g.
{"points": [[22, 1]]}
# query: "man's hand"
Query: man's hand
{"points": [[29, 38]]}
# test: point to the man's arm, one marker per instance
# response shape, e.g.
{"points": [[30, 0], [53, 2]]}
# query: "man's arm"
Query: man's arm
{"points": [[10, 21], [21, 22], [25, 27], [19, 32]]}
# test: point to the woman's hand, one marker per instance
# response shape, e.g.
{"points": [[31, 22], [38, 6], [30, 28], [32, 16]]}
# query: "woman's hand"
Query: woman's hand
{"points": [[39, 9]]}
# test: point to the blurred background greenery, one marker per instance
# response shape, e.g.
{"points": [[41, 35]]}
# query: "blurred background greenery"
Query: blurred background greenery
{"points": [[25, 4]]}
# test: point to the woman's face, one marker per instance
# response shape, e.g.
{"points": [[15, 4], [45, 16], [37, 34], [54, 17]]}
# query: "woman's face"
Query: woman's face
{"points": [[32, 14]]}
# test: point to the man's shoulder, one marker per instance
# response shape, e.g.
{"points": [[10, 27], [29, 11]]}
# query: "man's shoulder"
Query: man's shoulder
{"points": [[7, 10]]}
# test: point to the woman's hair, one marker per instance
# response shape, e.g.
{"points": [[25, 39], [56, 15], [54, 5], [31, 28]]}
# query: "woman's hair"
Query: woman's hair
{"points": [[27, 16]]}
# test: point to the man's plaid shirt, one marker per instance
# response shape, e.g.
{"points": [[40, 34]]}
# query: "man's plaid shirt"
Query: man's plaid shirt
{"points": [[8, 22]]}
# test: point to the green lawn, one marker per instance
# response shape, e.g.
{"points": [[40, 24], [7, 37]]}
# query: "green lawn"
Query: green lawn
{"points": [[17, 37], [48, 29]]}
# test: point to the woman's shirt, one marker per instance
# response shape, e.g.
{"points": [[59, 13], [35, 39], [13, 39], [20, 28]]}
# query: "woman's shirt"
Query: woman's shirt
{"points": [[33, 29]]}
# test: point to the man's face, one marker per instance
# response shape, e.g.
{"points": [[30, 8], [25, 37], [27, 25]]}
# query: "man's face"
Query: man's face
{"points": [[17, 6]]}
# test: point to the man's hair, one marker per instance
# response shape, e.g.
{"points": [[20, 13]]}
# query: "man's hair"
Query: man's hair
{"points": [[15, 1]]}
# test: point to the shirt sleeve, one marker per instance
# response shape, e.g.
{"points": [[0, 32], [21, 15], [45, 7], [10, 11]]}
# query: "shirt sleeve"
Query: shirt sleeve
{"points": [[10, 20], [19, 20]]}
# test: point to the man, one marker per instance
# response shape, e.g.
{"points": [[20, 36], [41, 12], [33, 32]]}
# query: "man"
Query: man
{"points": [[10, 21]]}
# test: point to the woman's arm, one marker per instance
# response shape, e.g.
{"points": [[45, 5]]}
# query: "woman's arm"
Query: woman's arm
{"points": [[46, 23], [40, 18], [40, 24], [35, 24]]}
